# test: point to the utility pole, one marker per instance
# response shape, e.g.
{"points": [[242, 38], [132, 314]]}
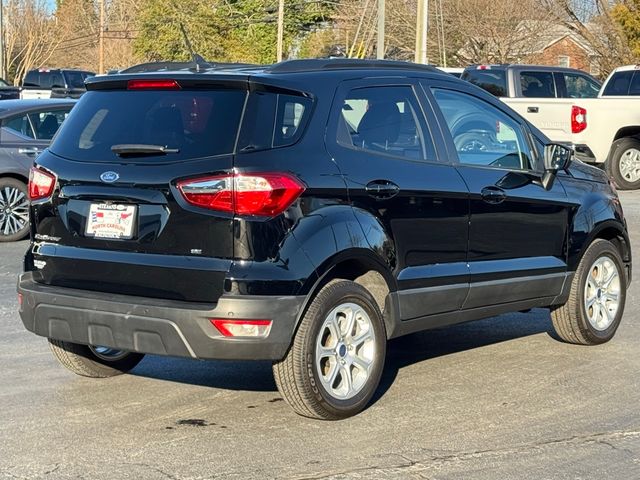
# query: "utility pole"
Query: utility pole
{"points": [[381, 24], [101, 39], [280, 29], [422, 26]]}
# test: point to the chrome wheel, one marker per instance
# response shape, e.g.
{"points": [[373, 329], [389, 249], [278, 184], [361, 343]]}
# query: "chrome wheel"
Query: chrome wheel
{"points": [[602, 293], [345, 351], [630, 165], [14, 210], [107, 353]]}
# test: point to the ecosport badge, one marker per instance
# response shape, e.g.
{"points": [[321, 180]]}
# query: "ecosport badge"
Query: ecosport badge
{"points": [[109, 177]]}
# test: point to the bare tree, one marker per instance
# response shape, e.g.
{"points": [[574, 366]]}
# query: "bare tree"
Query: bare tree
{"points": [[30, 36]]}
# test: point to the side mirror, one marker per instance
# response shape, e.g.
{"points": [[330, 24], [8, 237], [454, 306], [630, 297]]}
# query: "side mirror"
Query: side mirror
{"points": [[556, 157]]}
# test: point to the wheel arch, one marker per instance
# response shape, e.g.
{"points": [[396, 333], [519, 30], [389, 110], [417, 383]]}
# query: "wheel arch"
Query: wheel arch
{"points": [[614, 232], [16, 176]]}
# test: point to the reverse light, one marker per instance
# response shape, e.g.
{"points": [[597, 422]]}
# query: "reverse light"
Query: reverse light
{"points": [[41, 184], [263, 194], [153, 84], [242, 328], [578, 119]]}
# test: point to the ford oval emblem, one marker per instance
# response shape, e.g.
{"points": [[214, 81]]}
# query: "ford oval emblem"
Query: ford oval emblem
{"points": [[109, 177]]}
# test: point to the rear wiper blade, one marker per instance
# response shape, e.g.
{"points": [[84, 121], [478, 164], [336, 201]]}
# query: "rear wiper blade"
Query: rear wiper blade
{"points": [[142, 149]]}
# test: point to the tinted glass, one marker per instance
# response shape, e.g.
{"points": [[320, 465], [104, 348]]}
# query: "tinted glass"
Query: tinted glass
{"points": [[537, 84], [52, 80], [384, 120], [19, 125], [634, 87], [618, 84], [482, 134], [197, 123], [32, 79], [273, 120], [493, 81], [580, 86], [46, 123], [74, 79]]}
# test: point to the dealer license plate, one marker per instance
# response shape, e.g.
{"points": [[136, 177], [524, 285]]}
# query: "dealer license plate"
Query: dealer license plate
{"points": [[110, 220]]}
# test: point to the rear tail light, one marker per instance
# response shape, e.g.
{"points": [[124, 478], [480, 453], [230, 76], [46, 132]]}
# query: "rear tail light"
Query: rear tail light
{"points": [[41, 184], [20, 300], [263, 194], [578, 119], [154, 84], [242, 328]]}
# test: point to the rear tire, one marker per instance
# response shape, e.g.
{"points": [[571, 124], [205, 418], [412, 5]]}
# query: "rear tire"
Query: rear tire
{"points": [[336, 360], [624, 163], [14, 210], [95, 362], [596, 302]]}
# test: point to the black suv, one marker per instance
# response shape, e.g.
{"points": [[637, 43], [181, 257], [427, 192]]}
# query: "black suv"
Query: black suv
{"points": [[305, 213], [62, 83]]}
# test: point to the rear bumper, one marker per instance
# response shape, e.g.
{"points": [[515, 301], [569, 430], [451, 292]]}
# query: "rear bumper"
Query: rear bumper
{"points": [[161, 327]]}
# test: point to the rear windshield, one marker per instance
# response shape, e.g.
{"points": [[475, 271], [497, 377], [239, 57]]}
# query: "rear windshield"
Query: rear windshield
{"points": [[493, 81], [619, 83], [195, 123]]}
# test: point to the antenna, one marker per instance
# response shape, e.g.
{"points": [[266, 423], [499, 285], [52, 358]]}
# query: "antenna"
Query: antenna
{"points": [[198, 61]]}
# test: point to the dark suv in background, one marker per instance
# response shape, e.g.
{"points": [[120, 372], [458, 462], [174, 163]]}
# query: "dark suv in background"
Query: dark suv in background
{"points": [[305, 213], [55, 83]]}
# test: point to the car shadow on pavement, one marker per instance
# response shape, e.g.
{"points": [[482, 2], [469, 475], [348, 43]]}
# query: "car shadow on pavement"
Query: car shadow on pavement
{"points": [[401, 352]]}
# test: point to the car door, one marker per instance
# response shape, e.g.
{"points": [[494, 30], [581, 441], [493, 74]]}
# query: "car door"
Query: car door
{"points": [[25, 135], [387, 150], [518, 229]]}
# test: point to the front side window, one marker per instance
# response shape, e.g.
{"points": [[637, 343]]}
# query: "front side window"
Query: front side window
{"points": [[384, 120], [580, 86], [537, 84], [20, 125], [482, 134]]}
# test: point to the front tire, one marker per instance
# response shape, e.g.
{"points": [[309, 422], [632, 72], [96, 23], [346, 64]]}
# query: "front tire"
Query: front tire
{"points": [[596, 302], [93, 361], [336, 360], [624, 163], [14, 210]]}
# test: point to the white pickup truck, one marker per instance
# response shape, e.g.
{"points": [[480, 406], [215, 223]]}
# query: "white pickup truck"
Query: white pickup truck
{"points": [[568, 106]]}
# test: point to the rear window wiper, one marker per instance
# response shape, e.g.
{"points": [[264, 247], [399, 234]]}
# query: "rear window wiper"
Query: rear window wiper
{"points": [[133, 149]]}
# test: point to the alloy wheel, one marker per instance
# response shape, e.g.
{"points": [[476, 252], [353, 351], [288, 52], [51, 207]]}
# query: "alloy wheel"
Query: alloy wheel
{"points": [[14, 210], [602, 293]]}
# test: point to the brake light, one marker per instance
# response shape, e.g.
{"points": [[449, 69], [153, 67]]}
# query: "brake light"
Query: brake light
{"points": [[41, 184], [483, 67], [153, 85], [263, 194], [578, 119], [242, 328]]}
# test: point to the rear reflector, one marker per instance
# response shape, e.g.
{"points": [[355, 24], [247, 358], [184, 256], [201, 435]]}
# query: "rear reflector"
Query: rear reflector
{"points": [[41, 184], [153, 85], [19, 299], [578, 119], [262, 194], [242, 328]]}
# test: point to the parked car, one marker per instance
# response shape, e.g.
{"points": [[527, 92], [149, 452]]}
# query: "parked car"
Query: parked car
{"points": [[622, 82], [27, 127], [8, 92], [55, 83], [305, 213]]}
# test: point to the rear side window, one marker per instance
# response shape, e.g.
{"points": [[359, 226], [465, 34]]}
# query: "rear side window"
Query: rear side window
{"points": [[493, 81], [19, 125], [32, 79], [618, 84], [537, 84], [384, 120], [46, 123], [195, 123], [74, 79], [580, 86], [273, 120]]}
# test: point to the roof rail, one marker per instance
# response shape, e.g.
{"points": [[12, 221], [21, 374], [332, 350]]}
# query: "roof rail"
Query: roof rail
{"points": [[173, 66], [318, 64]]}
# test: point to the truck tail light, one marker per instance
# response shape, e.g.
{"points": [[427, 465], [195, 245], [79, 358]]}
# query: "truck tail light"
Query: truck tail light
{"points": [[41, 184], [261, 194], [578, 119], [242, 328]]}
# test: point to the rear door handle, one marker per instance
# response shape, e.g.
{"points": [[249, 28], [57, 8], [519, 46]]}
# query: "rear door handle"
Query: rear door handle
{"points": [[382, 189], [493, 195], [533, 109], [29, 151]]}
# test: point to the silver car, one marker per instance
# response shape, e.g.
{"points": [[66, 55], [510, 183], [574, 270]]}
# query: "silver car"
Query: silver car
{"points": [[27, 128]]}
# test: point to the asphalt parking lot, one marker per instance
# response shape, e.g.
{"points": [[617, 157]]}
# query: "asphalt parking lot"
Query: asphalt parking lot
{"points": [[496, 399]]}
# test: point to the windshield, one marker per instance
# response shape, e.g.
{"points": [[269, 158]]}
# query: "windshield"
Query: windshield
{"points": [[193, 124]]}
